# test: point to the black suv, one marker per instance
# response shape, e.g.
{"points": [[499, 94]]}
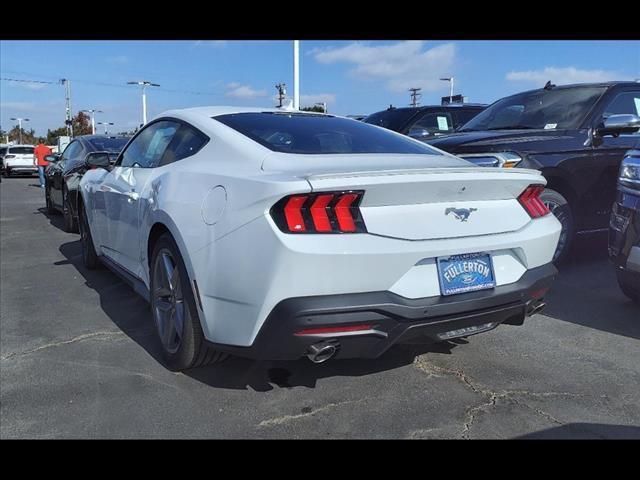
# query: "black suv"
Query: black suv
{"points": [[425, 122], [624, 229], [576, 135]]}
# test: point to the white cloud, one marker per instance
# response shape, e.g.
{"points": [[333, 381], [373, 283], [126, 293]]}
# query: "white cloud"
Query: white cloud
{"points": [[401, 65], [563, 75], [236, 90], [27, 85]]}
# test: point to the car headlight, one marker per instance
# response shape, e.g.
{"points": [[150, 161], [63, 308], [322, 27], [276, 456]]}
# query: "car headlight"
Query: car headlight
{"points": [[630, 172], [493, 159]]}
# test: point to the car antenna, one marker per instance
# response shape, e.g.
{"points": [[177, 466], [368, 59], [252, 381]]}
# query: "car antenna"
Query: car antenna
{"points": [[549, 85]]}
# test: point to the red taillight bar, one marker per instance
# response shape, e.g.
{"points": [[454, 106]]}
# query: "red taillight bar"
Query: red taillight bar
{"points": [[324, 212], [531, 202], [338, 329]]}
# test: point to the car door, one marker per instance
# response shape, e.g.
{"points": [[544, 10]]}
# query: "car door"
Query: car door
{"points": [[71, 152], [608, 153], [122, 188]]}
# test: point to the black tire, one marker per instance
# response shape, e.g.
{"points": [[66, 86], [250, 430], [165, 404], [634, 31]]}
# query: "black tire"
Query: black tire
{"points": [[559, 206], [626, 287], [172, 305], [47, 198], [70, 223], [89, 256]]}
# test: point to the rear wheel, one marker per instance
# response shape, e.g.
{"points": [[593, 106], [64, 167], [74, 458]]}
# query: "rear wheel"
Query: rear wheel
{"points": [[89, 256], [70, 224], [559, 206], [174, 310], [627, 287]]}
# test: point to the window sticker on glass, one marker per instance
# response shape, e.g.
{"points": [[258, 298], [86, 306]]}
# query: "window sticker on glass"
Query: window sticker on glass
{"points": [[550, 126], [637, 102], [442, 123]]}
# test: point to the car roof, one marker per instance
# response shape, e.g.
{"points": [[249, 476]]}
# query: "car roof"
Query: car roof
{"points": [[439, 107], [214, 111], [581, 85], [20, 145]]}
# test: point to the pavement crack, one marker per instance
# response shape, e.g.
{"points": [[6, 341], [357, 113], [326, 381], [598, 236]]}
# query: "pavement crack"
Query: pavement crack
{"points": [[491, 396], [79, 338], [288, 418]]}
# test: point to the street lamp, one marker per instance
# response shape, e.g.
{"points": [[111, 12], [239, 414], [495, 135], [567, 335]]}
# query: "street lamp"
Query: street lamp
{"points": [[93, 120], [20, 120], [144, 84], [105, 125], [450, 80]]}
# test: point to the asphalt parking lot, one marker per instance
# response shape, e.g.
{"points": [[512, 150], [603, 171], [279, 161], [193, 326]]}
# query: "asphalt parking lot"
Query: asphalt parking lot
{"points": [[79, 360]]}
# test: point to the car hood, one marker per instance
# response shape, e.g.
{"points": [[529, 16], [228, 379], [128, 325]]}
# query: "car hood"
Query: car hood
{"points": [[500, 140]]}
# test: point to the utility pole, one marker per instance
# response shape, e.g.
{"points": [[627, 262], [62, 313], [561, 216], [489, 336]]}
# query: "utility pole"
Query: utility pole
{"points": [[19, 120], [450, 80], [93, 119], [105, 126], [144, 84], [282, 93], [415, 94], [296, 74], [69, 116]]}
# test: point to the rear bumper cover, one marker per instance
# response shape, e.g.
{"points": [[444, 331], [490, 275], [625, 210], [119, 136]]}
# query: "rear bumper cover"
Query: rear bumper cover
{"points": [[394, 319]]}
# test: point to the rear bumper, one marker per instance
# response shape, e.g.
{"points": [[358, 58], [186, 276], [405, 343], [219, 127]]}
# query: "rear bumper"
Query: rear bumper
{"points": [[393, 319], [21, 169]]}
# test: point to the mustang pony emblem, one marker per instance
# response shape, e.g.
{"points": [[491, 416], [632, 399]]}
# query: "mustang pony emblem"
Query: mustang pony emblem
{"points": [[461, 214]]}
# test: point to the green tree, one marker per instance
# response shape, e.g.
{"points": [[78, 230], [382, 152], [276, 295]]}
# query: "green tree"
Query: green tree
{"points": [[81, 124], [52, 135], [314, 108], [28, 136]]}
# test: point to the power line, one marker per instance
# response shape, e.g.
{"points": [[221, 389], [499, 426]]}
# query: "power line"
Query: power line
{"points": [[415, 94]]}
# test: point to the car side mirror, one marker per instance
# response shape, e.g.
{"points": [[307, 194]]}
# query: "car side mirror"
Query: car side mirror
{"points": [[418, 133], [616, 124], [98, 160], [52, 158], [629, 175]]}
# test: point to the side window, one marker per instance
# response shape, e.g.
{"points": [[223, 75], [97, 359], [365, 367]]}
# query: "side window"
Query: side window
{"points": [[72, 151], [186, 142], [434, 123], [625, 102], [147, 148], [465, 115]]}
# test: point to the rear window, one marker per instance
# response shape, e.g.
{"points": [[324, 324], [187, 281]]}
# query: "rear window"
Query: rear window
{"points": [[319, 134], [114, 145], [393, 119], [21, 150]]}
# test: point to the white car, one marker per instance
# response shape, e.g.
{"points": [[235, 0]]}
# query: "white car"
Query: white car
{"points": [[18, 159], [275, 234]]}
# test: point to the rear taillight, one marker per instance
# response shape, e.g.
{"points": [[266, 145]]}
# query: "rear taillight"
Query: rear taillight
{"points": [[323, 212], [530, 201]]}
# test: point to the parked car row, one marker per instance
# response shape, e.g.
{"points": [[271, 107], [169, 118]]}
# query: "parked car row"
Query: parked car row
{"points": [[276, 234]]}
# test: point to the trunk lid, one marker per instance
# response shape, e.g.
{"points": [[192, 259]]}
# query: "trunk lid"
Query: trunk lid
{"points": [[436, 203]]}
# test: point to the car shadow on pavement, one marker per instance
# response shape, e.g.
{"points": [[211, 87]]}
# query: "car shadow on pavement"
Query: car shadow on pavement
{"points": [[586, 291], [56, 220], [131, 314]]}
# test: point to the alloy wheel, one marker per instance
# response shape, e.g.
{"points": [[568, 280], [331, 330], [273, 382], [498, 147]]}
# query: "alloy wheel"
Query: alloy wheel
{"points": [[169, 309]]}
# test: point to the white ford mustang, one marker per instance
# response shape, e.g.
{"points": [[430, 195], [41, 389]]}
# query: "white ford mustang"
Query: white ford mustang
{"points": [[276, 234]]}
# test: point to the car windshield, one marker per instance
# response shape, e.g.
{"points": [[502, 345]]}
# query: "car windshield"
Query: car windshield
{"points": [[559, 108], [318, 134], [21, 150], [108, 144], [393, 119]]}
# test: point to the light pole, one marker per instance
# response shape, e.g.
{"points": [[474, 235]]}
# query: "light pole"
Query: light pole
{"points": [[20, 120], [296, 74], [450, 80], [144, 84], [105, 125], [93, 120]]}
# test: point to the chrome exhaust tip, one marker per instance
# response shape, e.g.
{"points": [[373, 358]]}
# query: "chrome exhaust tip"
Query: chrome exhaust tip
{"points": [[322, 351], [537, 308]]}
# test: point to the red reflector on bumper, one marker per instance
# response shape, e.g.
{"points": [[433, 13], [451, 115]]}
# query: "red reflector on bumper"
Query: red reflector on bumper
{"points": [[338, 329]]}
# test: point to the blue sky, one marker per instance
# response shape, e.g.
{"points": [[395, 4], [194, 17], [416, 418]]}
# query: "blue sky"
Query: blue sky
{"points": [[352, 77]]}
